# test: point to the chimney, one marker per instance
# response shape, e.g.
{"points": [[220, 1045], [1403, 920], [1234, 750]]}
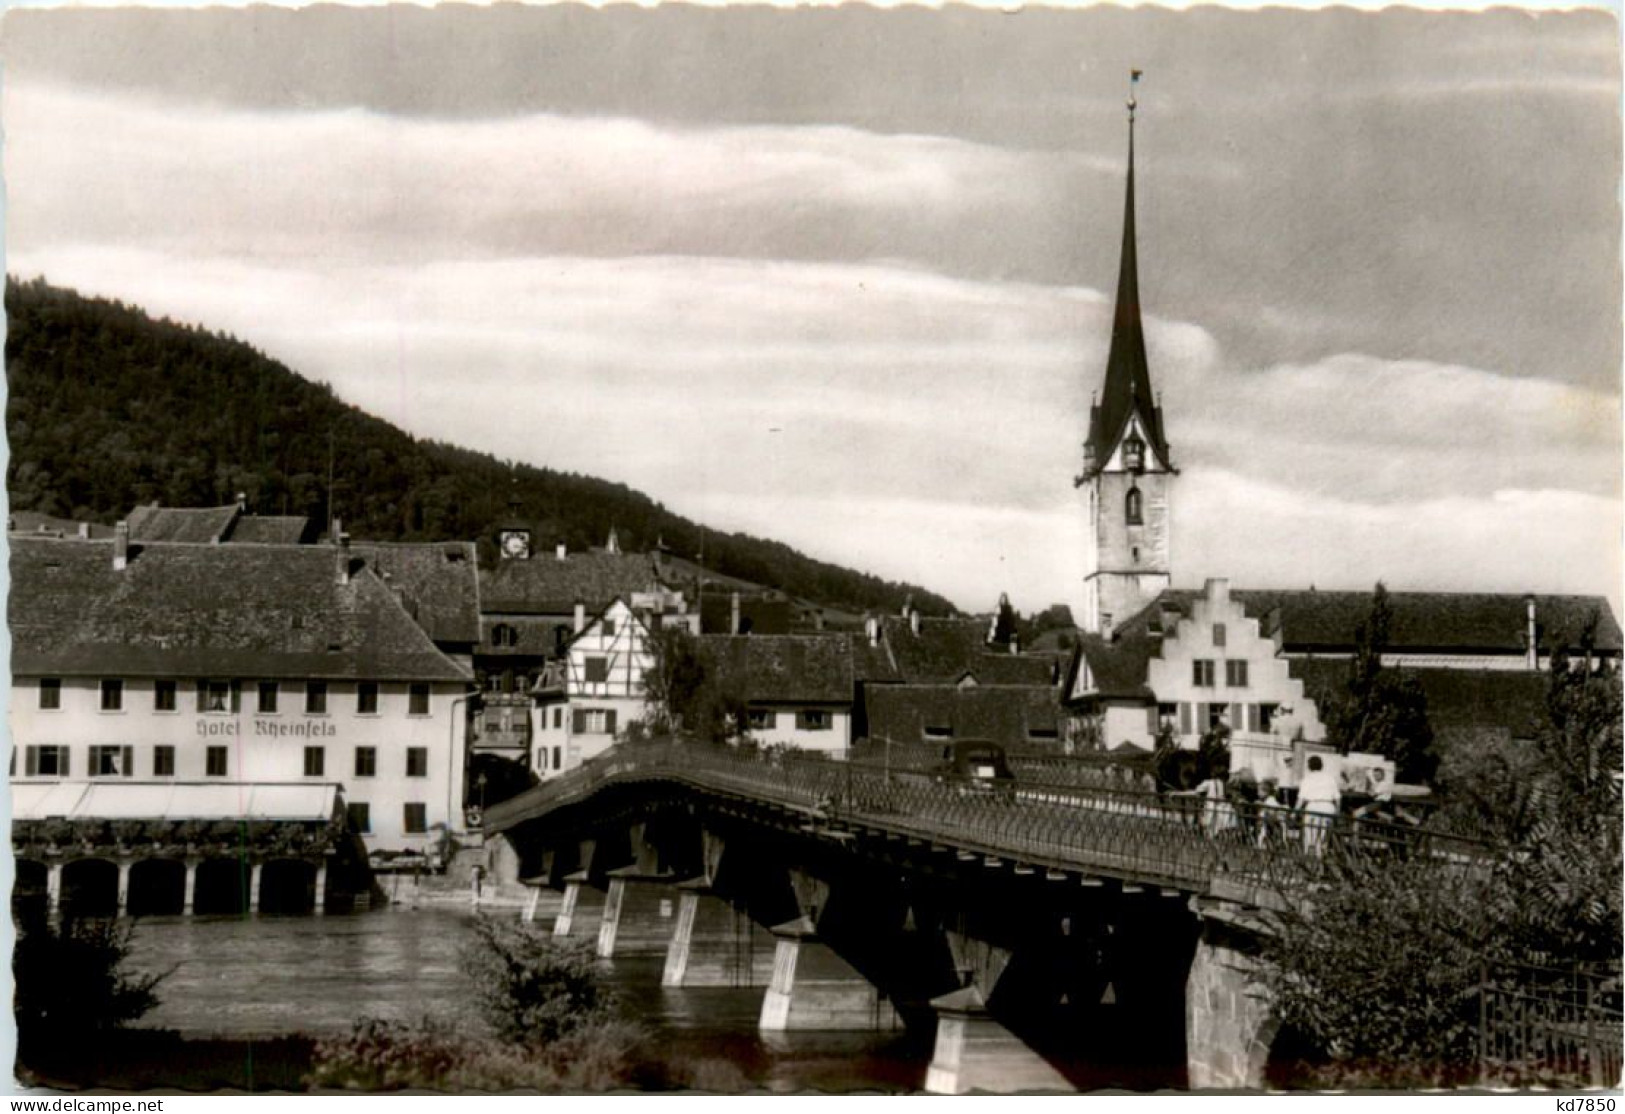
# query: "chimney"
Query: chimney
{"points": [[84, 531], [733, 614], [559, 552], [121, 546], [914, 620], [871, 627], [613, 545], [342, 557], [1531, 635], [581, 615]]}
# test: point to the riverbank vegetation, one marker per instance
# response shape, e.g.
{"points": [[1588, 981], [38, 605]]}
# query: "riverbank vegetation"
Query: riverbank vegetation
{"points": [[1388, 976], [549, 1021]]}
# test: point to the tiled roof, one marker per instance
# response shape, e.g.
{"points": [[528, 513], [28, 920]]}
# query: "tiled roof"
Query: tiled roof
{"points": [[439, 583], [945, 650], [273, 529], [1456, 698], [1444, 622], [1003, 714], [545, 585], [181, 524], [1118, 668], [209, 611], [782, 668], [534, 635], [871, 662], [33, 522]]}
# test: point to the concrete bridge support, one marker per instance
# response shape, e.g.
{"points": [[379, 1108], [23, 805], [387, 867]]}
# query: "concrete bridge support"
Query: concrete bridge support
{"points": [[975, 1053], [639, 915], [1229, 1026], [813, 988], [716, 943], [582, 912]]}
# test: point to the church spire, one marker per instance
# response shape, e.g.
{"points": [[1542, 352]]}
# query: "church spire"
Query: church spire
{"points": [[1127, 390]]}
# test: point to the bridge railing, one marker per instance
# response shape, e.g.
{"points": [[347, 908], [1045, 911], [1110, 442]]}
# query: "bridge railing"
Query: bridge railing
{"points": [[1179, 840]]}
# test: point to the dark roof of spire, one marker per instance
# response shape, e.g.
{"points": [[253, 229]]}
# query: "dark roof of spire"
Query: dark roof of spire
{"points": [[1128, 377]]}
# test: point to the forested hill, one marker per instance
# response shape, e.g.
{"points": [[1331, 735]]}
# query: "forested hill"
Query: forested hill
{"points": [[110, 408]]}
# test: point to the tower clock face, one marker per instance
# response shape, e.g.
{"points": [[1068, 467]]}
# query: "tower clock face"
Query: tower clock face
{"points": [[515, 543]]}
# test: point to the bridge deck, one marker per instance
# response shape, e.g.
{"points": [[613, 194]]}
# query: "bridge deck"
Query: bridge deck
{"points": [[1166, 840]]}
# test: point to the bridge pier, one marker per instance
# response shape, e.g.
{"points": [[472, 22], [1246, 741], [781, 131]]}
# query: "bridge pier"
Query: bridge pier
{"points": [[639, 914], [716, 944], [975, 1053], [582, 912], [1229, 1024], [815, 989]]}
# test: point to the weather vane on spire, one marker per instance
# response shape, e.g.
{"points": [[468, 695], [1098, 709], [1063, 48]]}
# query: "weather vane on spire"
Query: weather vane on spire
{"points": [[1133, 82]]}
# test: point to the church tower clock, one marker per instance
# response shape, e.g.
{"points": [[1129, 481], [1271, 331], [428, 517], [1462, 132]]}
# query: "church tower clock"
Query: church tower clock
{"points": [[513, 536], [1127, 470]]}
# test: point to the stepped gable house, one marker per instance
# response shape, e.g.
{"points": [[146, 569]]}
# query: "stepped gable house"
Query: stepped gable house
{"points": [[1152, 657], [179, 665]]}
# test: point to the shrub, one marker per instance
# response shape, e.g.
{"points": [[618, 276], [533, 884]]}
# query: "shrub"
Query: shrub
{"points": [[530, 988], [71, 985]]}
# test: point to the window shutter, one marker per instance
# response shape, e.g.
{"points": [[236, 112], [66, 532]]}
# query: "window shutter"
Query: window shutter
{"points": [[1252, 718], [31, 762], [236, 696], [1152, 722], [203, 696], [1185, 718], [609, 722], [578, 721], [62, 761], [1235, 717]]}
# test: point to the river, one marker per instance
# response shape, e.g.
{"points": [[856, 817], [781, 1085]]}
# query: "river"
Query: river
{"points": [[269, 976]]}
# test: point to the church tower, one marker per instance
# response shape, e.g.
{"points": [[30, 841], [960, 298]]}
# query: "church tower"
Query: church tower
{"points": [[1127, 471]]}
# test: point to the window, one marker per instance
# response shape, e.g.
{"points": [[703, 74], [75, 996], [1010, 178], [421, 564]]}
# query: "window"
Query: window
{"points": [[50, 693], [163, 761], [597, 670], [1218, 634], [1261, 717], [46, 761], [316, 698], [558, 758], [1213, 715], [416, 817], [112, 761], [366, 698], [762, 719], [217, 696], [417, 761], [814, 719], [360, 816], [315, 761], [938, 732], [504, 635], [558, 717], [1235, 674], [1133, 512], [268, 695], [593, 721], [215, 762], [417, 703], [608, 626], [112, 694], [1202, 673], [366, 761], [1167, 713], [163, 696]]}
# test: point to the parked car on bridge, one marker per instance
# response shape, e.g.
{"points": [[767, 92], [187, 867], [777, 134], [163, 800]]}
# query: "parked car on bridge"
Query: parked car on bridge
{"points": [[976, 766]]}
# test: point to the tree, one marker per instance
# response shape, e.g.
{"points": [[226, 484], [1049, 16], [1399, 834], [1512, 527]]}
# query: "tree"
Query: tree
{"points": [[684, 694], [1381, 710], [1004, 623]]}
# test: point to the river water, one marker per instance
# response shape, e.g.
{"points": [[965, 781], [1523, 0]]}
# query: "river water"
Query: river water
{"points": [[262, 977]]}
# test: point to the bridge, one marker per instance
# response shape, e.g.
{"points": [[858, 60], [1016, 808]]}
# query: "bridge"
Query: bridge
{"points": [[1046, 929]]}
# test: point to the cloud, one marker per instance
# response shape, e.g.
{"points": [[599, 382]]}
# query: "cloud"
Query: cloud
{"points": [[352, 185]]}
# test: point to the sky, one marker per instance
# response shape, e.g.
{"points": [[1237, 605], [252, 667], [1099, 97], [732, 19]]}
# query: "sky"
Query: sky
{"points": [[842, 276]]}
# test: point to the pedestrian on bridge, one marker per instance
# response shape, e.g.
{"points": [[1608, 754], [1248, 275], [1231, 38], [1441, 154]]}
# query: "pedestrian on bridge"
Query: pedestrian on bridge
{"points": [[1320, 799]]}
